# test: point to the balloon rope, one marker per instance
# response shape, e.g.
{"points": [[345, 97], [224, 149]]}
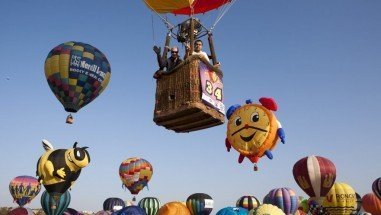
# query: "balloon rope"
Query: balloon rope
{"points": [[169, 25], [153, 30], [223, 12]]}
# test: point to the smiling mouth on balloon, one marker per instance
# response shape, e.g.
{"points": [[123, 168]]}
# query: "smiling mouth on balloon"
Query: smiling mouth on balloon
{"points": [[249, 138]]}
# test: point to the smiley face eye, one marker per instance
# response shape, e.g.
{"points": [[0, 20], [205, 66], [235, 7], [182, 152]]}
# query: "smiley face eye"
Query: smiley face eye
{"points": [[254, 117], [238, 121]]}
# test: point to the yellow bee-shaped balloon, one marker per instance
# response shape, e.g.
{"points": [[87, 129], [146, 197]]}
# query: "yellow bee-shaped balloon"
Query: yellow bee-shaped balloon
{"points": [[253, 130], [59, 169]]}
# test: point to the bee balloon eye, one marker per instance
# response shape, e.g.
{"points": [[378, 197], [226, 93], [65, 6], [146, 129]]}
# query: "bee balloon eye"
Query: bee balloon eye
{"points": [[254, 117], [78, 154], [238, 121]]}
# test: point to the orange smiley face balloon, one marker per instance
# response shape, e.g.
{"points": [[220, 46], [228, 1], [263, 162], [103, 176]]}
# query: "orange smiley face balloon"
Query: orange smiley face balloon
{"points": [[253, 130]]}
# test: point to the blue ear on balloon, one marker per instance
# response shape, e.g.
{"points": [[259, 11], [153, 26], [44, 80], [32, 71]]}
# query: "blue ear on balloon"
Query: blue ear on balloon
{"points": [[231, 110], [249, 101]]}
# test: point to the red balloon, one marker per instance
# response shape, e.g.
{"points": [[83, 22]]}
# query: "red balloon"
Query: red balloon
{"points": [[315, 175], [371, 204]]}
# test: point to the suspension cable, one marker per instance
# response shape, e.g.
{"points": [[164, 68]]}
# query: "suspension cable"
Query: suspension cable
{"points": [[223, 12], [168, 24]]}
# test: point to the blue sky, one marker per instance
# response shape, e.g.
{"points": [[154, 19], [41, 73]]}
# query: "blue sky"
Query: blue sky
{"points": [[320, 60]]}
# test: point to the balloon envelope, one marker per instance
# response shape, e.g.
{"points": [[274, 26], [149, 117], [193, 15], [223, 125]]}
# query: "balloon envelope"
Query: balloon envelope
{"points": [[315, 175], [135, 174], [77, 73], [174, 208], [283, 198], [21, 211], [232, 211], [200, 204], [341, 199], [266, 209], [71, 211], [248, 202], [113, 204], [371, 204], [150, 204], [185, 7], [130, 210], [48, 203], [23, 189], [376, 187]]}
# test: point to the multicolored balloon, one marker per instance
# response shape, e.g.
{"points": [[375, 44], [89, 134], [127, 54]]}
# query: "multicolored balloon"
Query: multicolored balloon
{"points": [[135, 174], [150, 204], [77, 73], [185, 7], [53, 206], [113, 204], [340, 200], [248, 202], [253, 130], [371, 203], [283, 198], [376, 187], [315, 175], [233, 211], [266, 209], [200, 204], [174, 208], [23, 189]]}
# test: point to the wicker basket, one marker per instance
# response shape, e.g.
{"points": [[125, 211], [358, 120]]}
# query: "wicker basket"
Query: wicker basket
{"points": [[178, 105]]}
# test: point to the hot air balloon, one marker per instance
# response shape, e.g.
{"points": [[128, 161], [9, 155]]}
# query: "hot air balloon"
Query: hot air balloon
{"points": [[113, 204], [77, 73], [71, 211], [266, 209], [340, 200], [23, 189], [174, 208], [283, 198], [150, 204], [233, 211], [21, 211], [190, 96], [253, 130], [315, 175], [53, 206], [376, 187], [371, 204], [200, 204], [59, 169], [248, 202], [358, 203], [130, 210], [135, 174]]}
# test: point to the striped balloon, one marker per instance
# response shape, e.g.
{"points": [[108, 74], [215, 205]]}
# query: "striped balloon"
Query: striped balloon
{"points": [[135, 174], [376, 187], [77, 73], [248, 202], [283, 198], [200, 204], [150, 204], [53, 206], [315, 175]]}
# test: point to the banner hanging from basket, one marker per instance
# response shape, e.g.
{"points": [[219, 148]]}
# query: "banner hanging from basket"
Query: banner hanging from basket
{"points": [[212, 88]]}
